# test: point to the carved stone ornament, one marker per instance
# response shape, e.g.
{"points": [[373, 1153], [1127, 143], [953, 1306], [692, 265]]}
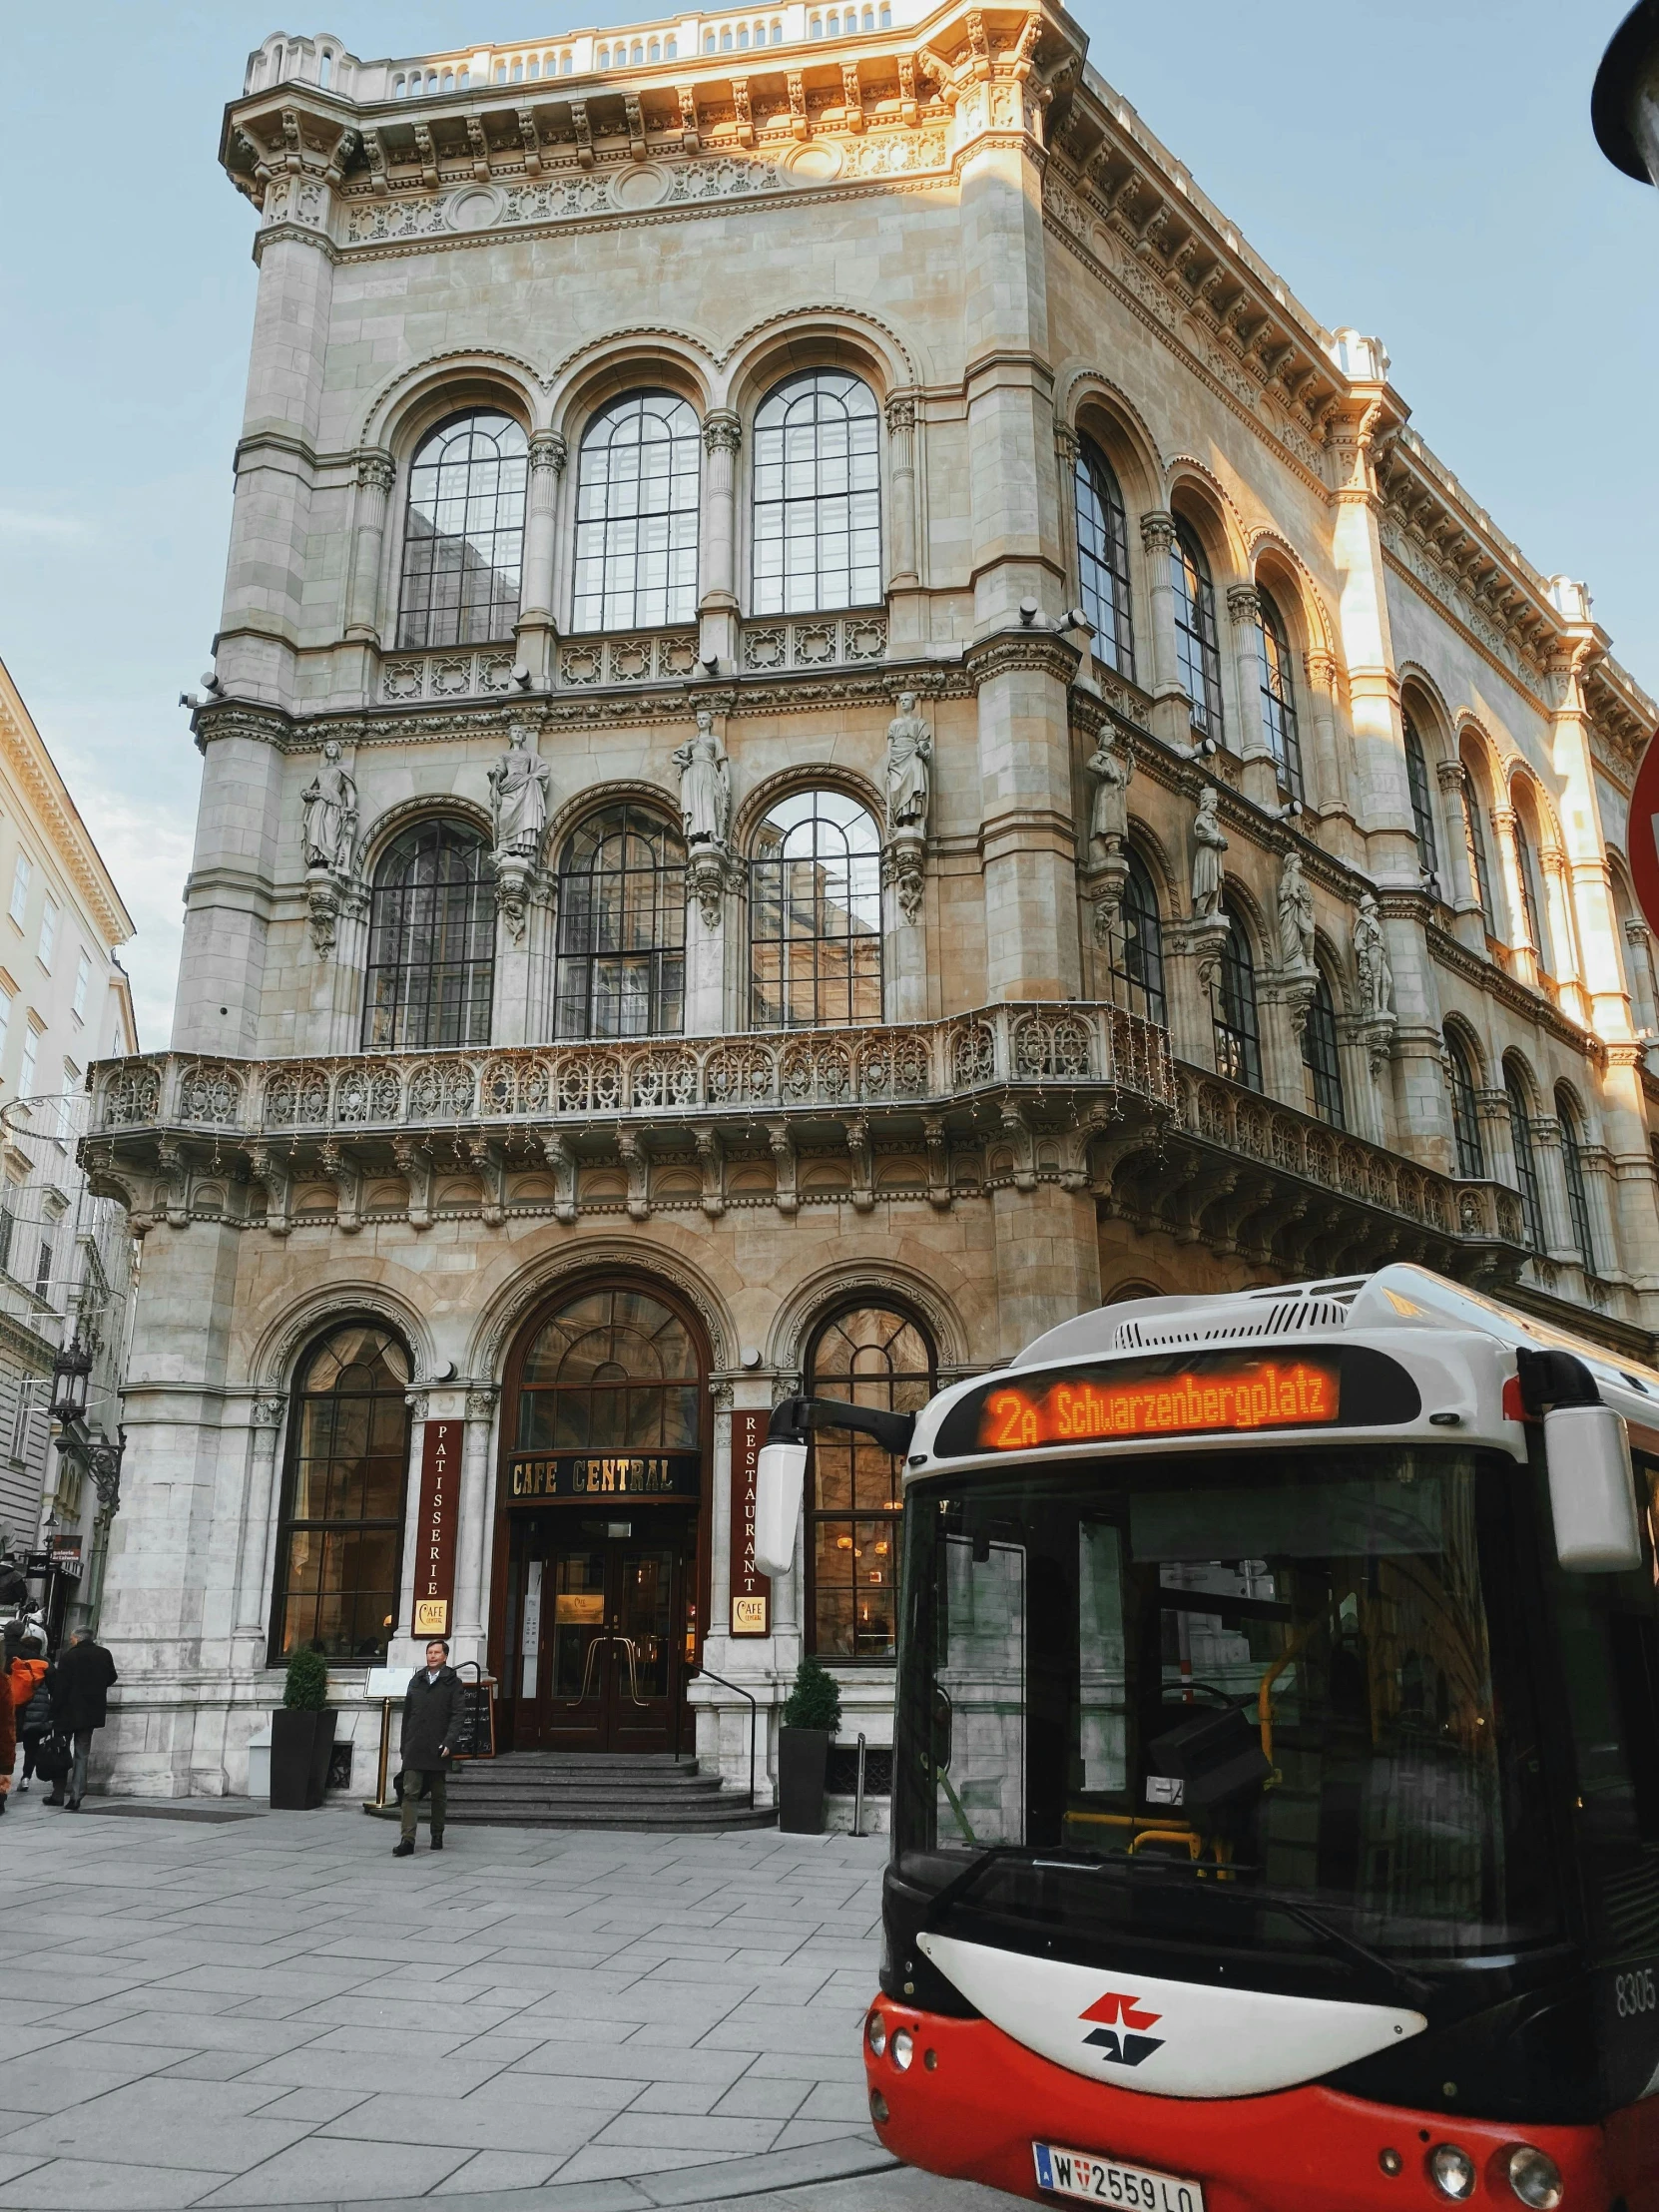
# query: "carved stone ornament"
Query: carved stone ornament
{"points": [[480, 1403], [548, 450], [908, 769], [1107, 881], [1371, 955], [905, 866], [705, 787], [1110, 767], [711, 872], [1208, 844], [519, 886], [329, 896], [519, 786], [328, 831]]}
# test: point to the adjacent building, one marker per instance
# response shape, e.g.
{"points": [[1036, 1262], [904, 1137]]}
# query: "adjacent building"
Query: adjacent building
{"points": [[66, 1257], [840, 731]]}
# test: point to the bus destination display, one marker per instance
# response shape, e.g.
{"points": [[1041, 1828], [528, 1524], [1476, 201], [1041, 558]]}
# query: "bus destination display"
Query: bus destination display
{"points": [[1179, 1394]]}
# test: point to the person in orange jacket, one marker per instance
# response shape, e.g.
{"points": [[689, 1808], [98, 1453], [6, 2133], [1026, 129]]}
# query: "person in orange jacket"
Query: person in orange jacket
{"points": [[26, 1673], [8, 1737]]}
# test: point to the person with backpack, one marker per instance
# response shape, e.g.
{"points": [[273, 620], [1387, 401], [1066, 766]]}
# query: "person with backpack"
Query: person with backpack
{"points": [[26, 1671]]}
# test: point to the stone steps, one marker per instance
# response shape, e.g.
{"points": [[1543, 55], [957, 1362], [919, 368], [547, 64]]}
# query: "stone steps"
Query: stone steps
{"points": [[532, 1789]]}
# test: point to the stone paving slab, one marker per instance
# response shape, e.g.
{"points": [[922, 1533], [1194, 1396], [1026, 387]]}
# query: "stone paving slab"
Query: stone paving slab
{"points": [[272, 2011]]}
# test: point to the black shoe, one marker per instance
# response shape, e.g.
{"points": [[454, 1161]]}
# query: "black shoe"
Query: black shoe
{"points": [[404, 1850], [437, 1843], [54, 1799], [73, 1803]]}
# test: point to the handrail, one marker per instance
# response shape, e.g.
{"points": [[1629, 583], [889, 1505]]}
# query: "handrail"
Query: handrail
{"points": [[754, 1715]]}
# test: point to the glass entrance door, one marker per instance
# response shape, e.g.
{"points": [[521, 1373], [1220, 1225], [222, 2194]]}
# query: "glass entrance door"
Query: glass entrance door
{"points": [[605, 1614]]}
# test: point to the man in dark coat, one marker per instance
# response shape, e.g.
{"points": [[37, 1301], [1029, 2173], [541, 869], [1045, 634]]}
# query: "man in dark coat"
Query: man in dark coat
{"points": [[431, 1713], [85, 1674]]}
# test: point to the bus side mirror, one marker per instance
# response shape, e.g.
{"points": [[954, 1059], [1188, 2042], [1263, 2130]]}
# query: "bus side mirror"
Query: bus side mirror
{"points": [[780, 1474], [1592, 1490]]}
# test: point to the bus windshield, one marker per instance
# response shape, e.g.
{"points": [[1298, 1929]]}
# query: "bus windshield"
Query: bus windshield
{"points": [[1279, 1672]]}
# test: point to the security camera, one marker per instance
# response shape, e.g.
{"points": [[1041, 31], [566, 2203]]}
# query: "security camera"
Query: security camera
{"points": [[211, 685], [190, 699], [709, 664], [1028, 613], [521, 677]]}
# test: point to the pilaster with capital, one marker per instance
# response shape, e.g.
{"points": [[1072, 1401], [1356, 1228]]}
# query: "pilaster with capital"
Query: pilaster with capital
{"points": [[536, 628], [1261, 771], [718, 601], [376, 478], [1529, 965], [1172, 714], [472, 1550], [253, 1550]]}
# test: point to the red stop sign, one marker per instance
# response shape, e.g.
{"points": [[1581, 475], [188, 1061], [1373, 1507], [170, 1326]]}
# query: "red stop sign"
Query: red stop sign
{"points": [[1644, 834]]}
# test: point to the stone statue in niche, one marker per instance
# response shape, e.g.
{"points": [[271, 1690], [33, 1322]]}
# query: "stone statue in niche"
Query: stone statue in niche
{"points": [[1208, 846], [1295, 915], [519, 788], [705, 785], [1371, 955], [329, 833], [1111, 771], [910, 754]]}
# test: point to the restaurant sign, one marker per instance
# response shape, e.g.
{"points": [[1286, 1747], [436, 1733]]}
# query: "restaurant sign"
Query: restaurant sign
{"points": [[751, 1592]]}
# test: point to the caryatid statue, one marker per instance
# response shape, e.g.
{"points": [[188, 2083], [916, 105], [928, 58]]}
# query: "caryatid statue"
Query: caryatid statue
{"points": [[1109, 815], [519, 788], [910, 754], [1295, 915], [329, 833], [1371, 955], [1208, 846], [705, 785]]}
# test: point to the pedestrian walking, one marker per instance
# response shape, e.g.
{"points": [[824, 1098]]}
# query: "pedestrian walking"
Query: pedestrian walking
{"points": [[8, 1738], [27, 1672], [431, 1714], [85, 1675]]}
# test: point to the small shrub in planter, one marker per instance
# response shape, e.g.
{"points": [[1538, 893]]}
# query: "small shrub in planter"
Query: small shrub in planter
{"points": [[812, 1714], [302, 1735]]}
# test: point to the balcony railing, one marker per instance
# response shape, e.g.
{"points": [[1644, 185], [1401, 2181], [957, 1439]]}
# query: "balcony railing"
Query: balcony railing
{"points": [[1024, 1046]]}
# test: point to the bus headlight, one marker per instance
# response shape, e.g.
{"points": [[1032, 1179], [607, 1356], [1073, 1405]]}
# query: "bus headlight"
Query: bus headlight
{"points": [[1536, 2178], [1453, 2172], [903, 2049], [876, 2027]]}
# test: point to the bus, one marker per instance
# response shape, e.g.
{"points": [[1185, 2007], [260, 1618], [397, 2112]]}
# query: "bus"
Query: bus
{"points": [[1275, 1777]]}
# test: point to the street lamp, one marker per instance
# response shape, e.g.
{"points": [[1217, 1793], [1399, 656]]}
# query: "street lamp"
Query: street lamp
{"points": [[71, 1373], [1624, 107]]}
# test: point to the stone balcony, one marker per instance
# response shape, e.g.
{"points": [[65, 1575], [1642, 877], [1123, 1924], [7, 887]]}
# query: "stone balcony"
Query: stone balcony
{"points": [[1084, 1095]]}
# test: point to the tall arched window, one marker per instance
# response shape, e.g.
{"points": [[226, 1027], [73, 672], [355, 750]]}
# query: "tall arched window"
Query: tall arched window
{"points": [[612, 1369], [463, 535], [815, 914], [1137, 957], [636, 516], [1103, 557], [1465, 1115], [1572, 1162], [622, 928], [1321, 1057], [1526, 1159], [1422, 799], [1531, 898], [1233, 1001], [432, 940], [1279, 720], [1480, 867], [340, 1536], [818, 496], [873, 1356], [1197, 650]]}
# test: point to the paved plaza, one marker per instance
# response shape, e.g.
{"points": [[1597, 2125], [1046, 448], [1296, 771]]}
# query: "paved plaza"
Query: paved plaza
{"points": [[273, 2010]]}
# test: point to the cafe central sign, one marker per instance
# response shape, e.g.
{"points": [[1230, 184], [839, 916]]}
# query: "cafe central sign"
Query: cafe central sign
{"points": [[632, 1475]]}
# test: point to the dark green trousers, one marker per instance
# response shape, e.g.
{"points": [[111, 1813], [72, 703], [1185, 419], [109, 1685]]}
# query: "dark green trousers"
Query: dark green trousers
{"points": [[436, 1777]]}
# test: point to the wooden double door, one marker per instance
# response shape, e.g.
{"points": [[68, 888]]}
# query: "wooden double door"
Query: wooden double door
{"points": [[604, 1612]]}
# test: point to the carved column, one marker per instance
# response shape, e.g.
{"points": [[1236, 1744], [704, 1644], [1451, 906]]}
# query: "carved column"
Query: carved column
{"points": [[1456, 866], [1261, 769], [1172, 716], [376, 476], [1327, 779], [1563, 937], [904, 928], [248, 1635], [713, 880], [472, 1551], [906, 610], [1067, 447], [1508, 862], [718, 606], [1638, 939], [537, 625]]}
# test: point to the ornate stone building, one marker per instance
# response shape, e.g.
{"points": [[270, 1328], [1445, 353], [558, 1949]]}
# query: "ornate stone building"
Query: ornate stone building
{"points": [[840, 730]]}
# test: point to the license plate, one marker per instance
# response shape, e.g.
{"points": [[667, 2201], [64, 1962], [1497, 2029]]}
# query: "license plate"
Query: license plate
{"points": [[1078, 2173]]}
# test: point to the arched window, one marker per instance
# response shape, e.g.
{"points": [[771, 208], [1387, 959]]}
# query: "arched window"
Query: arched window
{"points": [[1466, 1116], [1278, 723], [1233, 1001], [1480, 867], [874, 1355], [1196, 653], [1526, 1159], [636, 516], [818, 496], [1137, 964], [815, 914], [1532, 906], [464, 536], [612, 1369], [1103, 557], [1572, 1162], [1321, 1057], [340, 1535], [622, 928], [1422, 799], [432, 940]]}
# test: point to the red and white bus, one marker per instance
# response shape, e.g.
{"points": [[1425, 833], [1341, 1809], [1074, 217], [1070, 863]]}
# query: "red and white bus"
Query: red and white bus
{"points": [[1276, 1793]]}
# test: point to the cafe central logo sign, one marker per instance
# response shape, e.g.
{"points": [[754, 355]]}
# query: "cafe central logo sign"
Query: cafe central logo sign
{"points": [[633, 1475]]}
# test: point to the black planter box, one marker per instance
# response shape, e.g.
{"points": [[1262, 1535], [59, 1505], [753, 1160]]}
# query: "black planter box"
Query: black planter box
{"points": [[802, 1755], [300, 1744]]}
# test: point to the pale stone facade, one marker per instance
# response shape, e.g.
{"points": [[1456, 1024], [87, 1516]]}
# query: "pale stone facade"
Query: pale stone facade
{"points": [[1092, 1048]]}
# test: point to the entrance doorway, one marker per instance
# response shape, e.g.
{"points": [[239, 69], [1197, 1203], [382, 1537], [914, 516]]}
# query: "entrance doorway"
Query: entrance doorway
{"points": [[601, 1550], [605, 1630]]}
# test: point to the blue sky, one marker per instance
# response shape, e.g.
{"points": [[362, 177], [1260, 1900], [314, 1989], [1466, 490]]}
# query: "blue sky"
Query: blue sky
{"points": [[1422, 169]]}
